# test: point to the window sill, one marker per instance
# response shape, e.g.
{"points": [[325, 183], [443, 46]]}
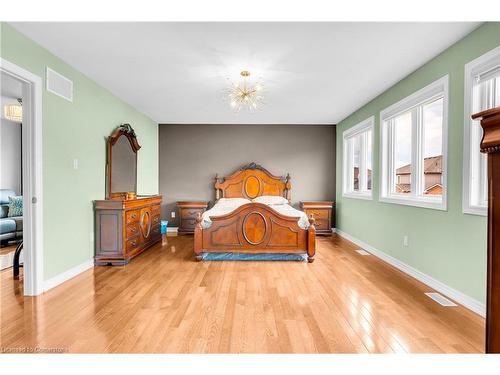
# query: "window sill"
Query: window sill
{"points": [[364, 196], [422, 203], [476, 210]]}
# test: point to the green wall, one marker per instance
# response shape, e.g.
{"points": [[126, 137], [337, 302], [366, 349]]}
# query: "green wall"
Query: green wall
{"points": [[77, 130], [447, 245]]}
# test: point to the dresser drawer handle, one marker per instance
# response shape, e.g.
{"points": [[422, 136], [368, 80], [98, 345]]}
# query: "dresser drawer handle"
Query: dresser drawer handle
{"points": [[192, 212], [133, 243], [133, 229]]}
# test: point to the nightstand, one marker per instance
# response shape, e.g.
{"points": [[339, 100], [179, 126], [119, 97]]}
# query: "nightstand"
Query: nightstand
{"points": [[323, 213], [188, 211]]}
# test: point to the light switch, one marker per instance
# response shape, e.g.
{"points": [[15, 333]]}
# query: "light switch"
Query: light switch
{"points": [[173, 214], [75, 164]]}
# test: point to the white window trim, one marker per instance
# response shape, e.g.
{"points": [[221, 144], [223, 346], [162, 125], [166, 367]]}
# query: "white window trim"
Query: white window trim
{"points": [[472, 69], [435, 89], [363, 126]]}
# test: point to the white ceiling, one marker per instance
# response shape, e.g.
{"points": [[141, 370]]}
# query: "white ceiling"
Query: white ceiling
{"points": [[314, 73]]}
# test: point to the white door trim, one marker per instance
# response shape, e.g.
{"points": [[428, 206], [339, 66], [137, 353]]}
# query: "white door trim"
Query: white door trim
{"points": [[32, 176]]}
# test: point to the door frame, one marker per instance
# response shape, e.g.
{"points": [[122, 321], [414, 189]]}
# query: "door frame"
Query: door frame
{"points": [[32, 176]]}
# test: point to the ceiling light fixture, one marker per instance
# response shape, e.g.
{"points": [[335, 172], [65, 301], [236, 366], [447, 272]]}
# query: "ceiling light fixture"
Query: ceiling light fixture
{"points": [[14, 112], [245, 94]]}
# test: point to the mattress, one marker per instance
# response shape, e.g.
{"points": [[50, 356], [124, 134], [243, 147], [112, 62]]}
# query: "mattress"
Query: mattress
{"points": [[225, 206]]}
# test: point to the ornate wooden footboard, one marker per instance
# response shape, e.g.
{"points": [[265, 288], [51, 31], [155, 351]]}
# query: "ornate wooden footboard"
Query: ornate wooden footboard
{"points": [[255, 228]]}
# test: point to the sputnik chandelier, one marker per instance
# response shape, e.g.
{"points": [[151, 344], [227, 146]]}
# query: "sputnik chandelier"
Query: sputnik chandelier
{"points": [[245, 95]]}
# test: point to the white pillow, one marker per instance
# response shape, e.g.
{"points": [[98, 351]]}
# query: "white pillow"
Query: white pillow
{"points": [[270, 200], [233, 201]]}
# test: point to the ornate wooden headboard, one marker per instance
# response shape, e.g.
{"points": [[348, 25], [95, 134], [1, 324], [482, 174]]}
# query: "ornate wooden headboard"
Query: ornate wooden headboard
{"points": [[251, 181]]}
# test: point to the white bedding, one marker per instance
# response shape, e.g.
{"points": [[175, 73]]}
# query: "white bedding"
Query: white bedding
{"points": [[286, 209], [225, 206]]}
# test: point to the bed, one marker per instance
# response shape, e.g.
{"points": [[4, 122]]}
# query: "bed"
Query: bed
{"points": [[253, 224]]}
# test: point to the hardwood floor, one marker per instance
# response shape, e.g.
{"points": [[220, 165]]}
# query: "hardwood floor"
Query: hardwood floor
{"points": [[7, 249], [165, 302]]}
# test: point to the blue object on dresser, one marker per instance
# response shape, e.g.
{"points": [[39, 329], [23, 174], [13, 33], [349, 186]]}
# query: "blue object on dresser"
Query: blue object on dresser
{"points": [[163, 226], [254, 257]]}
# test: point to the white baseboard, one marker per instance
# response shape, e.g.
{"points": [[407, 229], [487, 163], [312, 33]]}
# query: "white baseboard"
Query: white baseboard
{"points": [[66, 275], [463, 299]]}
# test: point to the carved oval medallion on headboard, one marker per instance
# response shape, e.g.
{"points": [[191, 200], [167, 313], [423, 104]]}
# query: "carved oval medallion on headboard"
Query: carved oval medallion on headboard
{"points": [[252, 187], [254, 228]]}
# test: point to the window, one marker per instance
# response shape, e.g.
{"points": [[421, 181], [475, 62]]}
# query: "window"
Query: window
{"points": [[413, 148], [482, 91], [358, 160]]}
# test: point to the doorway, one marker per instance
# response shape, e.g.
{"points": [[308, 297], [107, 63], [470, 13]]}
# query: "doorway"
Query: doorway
{"points": [[27, 87], [11, 192]]}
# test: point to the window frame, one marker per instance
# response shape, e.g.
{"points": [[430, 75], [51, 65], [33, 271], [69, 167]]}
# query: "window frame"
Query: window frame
{"points": [[433, 91], [362, 127], [478, 66]]}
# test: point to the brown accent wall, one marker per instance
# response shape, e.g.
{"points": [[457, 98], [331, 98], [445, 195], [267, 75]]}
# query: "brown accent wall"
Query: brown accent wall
{"points": [[191, 155]]}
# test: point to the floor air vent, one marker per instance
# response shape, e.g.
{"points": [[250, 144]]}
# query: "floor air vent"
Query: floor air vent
{"points": [[362, 252], [443, 301], [59, 85]]}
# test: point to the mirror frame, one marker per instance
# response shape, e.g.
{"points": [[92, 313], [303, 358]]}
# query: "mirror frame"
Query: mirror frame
{"points": [[127, 131]]}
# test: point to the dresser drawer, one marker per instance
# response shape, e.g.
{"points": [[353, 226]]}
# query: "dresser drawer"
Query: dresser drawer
{"points": [[318, 214], [188, 223], [155, 230], [155, 210], [191, 213], [132, 216], [156, 219], [132, 244], [132, 230], [321, 224]]}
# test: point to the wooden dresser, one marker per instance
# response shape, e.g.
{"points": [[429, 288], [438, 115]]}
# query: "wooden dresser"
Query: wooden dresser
{"points": [[323, 213], [125, 228], [187, 215]]}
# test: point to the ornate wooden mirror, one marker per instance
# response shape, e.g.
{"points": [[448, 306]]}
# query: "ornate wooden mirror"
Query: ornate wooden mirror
{"points": [[121, 171]]}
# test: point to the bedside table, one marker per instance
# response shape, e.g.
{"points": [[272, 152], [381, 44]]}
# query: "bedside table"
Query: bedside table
{"points": [[188, 211], [323, 213]]}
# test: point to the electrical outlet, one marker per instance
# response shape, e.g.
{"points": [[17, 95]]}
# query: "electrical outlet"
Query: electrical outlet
{"points": [[405, 241], [173, 214]]}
